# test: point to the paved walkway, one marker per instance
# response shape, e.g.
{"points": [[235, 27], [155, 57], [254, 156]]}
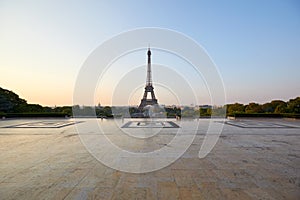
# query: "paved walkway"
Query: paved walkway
{"points": [[246, 163]]}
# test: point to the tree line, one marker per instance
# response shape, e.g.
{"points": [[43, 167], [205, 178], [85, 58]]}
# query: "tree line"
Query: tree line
{"points": [[274, 107], [12, 105]]}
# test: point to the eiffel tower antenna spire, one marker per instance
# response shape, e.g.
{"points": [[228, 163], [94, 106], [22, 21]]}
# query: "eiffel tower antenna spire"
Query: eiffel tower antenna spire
{"points": [[149, 77]]}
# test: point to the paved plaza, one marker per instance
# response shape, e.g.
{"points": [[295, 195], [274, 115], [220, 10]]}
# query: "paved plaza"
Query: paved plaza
{"points": [[253, 159]]}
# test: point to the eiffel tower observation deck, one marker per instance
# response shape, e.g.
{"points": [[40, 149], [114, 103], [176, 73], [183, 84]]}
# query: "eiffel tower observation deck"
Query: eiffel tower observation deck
{"points": [[149, 87]]}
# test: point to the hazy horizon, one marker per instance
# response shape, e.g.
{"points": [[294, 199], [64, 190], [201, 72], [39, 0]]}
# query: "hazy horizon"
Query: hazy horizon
{"points": [[161, 103]]}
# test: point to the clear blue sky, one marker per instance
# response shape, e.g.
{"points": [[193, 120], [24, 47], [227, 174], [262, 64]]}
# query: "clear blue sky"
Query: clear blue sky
{"points": [[255, 44]]}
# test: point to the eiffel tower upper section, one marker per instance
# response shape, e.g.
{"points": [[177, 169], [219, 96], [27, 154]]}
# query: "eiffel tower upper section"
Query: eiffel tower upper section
{"points": [[149, 87]]}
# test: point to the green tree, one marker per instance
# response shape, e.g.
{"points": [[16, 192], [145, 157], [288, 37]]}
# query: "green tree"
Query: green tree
{"points": [[205, 112], [107, 111], [253, 108], [293, 105], [10, 102], [173, 112], [235, 108], [268, 108], [67, 110], [133, 110], [34, 108], [278, 106]]}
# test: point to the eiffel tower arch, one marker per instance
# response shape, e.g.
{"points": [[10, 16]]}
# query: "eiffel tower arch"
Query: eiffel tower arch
{"points": [[149, 87]]}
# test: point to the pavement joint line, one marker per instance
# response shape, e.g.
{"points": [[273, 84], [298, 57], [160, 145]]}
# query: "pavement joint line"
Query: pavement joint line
{"points": [[74, 187]]}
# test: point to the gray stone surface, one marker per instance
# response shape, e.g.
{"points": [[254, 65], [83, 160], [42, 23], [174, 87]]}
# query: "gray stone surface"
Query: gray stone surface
{"points": [[246, 163]]}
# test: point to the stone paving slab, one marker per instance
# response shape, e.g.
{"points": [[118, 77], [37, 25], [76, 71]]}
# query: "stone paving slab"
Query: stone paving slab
{"points": [[44, 124], [257, 124], [152, 124], [245, 164]]}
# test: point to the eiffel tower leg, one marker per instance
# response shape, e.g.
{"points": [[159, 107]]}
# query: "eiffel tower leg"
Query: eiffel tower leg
{"points": [[145, 95], [152, 95]]}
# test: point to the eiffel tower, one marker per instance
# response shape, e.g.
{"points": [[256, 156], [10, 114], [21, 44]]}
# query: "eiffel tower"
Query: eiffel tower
{"points": [[149, 88]]}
